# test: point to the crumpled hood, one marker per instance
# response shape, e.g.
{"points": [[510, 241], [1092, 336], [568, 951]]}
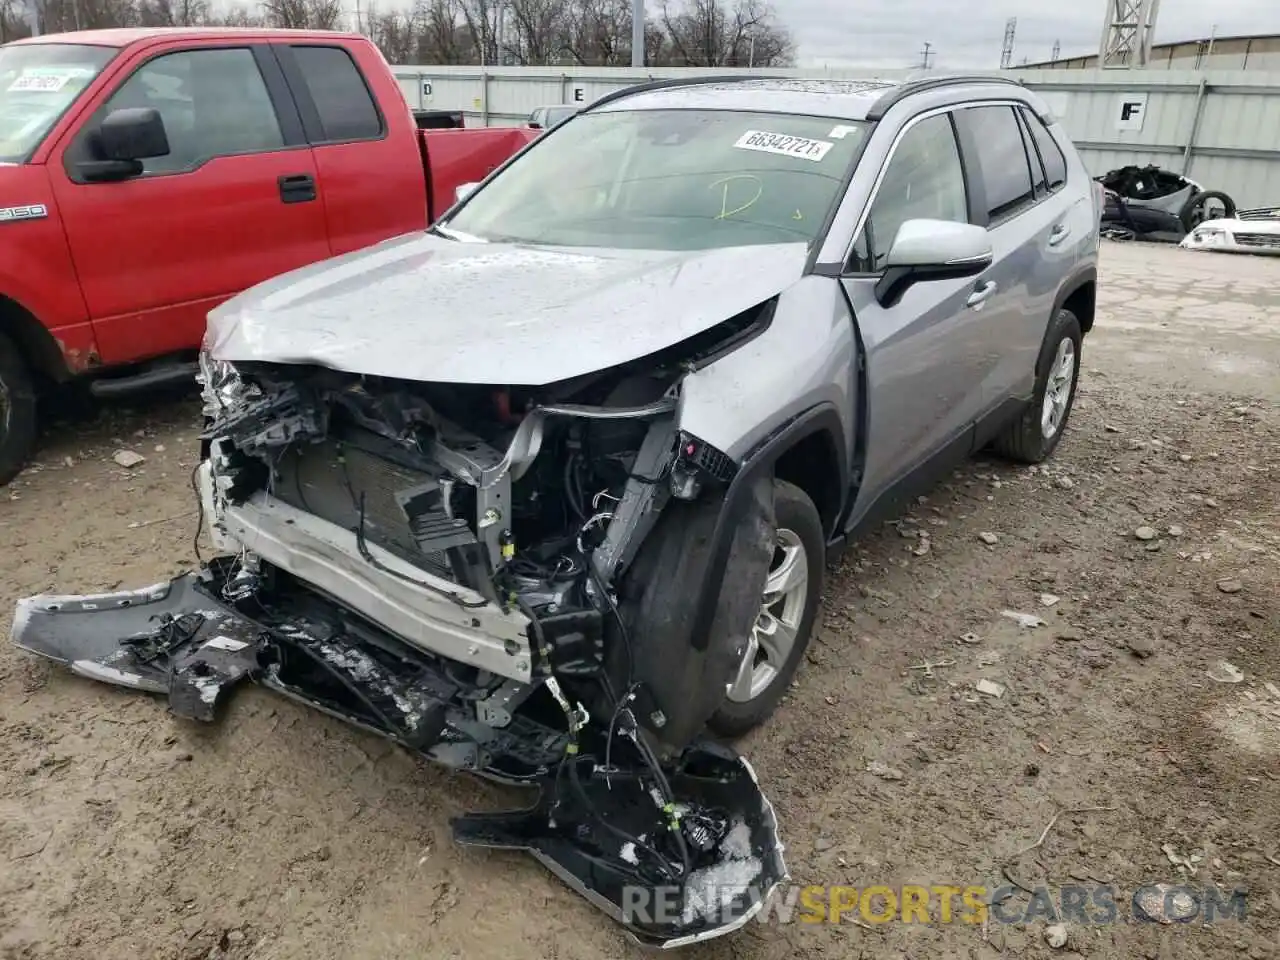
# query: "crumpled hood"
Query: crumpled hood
{"points": [[423, 307]]}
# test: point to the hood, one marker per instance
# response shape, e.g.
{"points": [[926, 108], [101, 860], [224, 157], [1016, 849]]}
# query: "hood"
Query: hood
{"points": [[426, 308]]}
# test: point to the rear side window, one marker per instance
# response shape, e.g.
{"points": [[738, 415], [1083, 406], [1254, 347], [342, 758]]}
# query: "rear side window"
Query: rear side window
{"points": [[1055, 164], [346, 108], [1002, 157]]}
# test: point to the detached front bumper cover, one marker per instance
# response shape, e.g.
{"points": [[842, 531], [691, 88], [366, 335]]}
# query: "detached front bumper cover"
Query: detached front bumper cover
{"points": [[597, 828]]}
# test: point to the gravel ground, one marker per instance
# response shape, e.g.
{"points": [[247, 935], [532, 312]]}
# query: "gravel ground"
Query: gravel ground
{"points": [[279, 834]]}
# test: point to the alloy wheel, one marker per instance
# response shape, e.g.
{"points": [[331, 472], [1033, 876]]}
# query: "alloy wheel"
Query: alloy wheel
{"points": [[1057, 391], [782, 609]]}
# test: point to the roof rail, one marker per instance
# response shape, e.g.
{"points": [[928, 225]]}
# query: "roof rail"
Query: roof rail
{"points": [[909, 87], [675, 82]]}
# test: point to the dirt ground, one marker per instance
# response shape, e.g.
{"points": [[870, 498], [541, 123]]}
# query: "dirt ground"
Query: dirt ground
{"points": [[279, 834]]}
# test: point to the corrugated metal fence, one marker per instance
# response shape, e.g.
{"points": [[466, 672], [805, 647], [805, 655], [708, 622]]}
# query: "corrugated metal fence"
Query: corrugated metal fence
{"points": [[1221, 128]]}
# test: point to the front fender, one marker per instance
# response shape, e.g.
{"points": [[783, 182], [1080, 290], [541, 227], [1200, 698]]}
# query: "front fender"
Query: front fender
{"points": [[36, 269]]}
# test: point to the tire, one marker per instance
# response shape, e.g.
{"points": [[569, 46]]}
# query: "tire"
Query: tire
{"points": [[18, 424], [800, 540], [1028, 438], [1188, 212]]}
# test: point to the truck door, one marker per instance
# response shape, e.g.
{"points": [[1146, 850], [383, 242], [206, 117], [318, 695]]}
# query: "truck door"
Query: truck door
{"points": [[363, 138], [234, 202]]}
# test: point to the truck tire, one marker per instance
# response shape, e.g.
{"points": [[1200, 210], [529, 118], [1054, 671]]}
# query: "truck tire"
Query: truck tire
{"points": [[789, 613], [17, 411], [1033, 435]]}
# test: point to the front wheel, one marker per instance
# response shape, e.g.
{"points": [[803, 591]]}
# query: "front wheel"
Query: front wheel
{"points": [[788, 606], [1034, 435], [17, 411]]}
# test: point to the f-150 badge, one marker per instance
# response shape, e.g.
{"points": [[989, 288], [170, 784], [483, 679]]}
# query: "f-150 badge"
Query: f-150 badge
{"points": [[32, 211]]}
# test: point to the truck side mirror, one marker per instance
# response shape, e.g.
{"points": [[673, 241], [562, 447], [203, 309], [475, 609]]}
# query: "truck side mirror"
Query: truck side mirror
{"points": [[133, 133], [122, 141]]}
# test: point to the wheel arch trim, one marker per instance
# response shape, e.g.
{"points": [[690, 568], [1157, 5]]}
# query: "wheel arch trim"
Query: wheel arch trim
{"points": [[820, 419]]}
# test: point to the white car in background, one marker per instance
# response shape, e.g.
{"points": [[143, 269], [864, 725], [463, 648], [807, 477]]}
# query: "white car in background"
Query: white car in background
{"points": [[1249, 231]]}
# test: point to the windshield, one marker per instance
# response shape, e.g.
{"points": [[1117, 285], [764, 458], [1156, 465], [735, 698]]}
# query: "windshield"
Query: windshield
{"points": [[37, 84], [669, 180]]}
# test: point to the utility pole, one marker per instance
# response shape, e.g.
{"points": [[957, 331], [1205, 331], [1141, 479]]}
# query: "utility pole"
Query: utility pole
{"points": [[925, 54], [1006, 52], [637, 33], [33, 17], [751, 52]]}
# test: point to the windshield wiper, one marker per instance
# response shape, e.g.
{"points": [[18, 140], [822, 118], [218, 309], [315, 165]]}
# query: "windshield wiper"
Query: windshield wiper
{"points": [[443, 231]]}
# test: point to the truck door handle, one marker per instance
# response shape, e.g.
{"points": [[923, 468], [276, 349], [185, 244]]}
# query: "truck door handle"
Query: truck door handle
{"points": [[979, 296], [1059, 233], [297, 187]]}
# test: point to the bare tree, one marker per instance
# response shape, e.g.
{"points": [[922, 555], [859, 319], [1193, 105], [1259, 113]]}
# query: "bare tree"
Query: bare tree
{"points": [[535, 31], [441, 34], [304, 14], [599, 32], [237, 16], [172, 13], [13, 21], [709, 33]]}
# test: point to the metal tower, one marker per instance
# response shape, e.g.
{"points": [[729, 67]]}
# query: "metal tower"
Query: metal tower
{"points": [[1127, 33], [1006, 52], [1057, 49]]}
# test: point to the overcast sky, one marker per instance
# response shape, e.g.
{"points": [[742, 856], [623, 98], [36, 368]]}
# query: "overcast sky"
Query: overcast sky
{"points": [[880, 34]]}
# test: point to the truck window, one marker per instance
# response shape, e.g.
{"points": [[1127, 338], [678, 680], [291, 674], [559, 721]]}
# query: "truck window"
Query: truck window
{"points": [[346, 108], [37, 84], [214, 103]]}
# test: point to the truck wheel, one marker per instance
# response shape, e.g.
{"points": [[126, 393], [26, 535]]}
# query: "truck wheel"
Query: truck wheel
{"points": [[784, 625], [1033, 436], [17, 411]]}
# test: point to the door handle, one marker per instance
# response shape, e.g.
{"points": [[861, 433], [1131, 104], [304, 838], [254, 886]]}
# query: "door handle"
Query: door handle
{"points": [[297, 187], [1058, 234], [979, 296]]}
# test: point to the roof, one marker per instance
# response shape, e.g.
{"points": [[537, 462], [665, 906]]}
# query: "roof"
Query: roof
{"points": [[845, 99], [839, 99], [127, 36]]}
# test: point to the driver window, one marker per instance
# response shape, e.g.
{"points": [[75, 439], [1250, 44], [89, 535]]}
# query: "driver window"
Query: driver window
{"points": [[213, 102], [924, 180]]}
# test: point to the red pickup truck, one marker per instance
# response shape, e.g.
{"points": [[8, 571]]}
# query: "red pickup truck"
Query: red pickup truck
{"points": [[148, 175]]}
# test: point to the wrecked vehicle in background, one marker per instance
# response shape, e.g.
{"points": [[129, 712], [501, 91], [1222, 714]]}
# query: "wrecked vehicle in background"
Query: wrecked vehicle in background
{"points": [[1249, 231], [1157, 205], [546, 492]]}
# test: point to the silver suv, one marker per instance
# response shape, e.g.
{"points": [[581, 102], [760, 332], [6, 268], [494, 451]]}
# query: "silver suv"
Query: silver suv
{"points": [[547, 492]]}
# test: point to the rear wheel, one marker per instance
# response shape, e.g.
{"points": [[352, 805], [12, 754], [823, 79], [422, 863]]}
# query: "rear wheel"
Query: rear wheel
{"points": [[17, 411], [1033, 436]]}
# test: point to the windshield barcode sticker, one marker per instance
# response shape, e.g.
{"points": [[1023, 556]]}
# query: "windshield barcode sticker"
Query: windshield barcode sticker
{"points": [[783, 144], [43, 84], [48, 79]]}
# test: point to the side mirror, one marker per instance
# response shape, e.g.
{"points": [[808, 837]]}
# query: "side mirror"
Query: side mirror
{"points": [[123, 140], [927, 250], [463, 190], [133, 133]]}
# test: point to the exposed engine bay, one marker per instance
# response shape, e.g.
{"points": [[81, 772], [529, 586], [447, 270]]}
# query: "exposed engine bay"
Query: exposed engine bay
{"points": [[443, 565]]}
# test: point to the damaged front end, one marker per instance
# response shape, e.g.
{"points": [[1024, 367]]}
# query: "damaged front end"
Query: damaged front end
{"points": [[446, 566]]}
